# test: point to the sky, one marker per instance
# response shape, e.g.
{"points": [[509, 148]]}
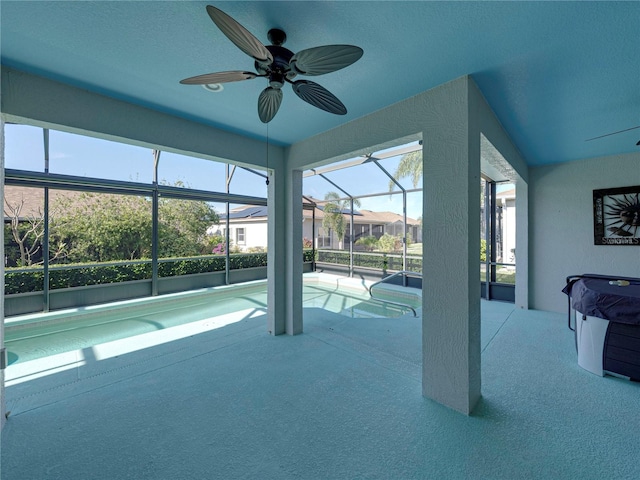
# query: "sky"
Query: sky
{"points": [[79, 155], [72, 154]]}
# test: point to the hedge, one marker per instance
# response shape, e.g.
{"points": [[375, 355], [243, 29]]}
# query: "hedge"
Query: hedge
{"points": [[73, 275], [33, 280], [379, 261]]}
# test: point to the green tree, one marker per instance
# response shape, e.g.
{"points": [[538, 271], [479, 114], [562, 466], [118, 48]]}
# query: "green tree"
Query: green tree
{"points": [[98, 227], [334, 217], [410, 166], [182, 227]]}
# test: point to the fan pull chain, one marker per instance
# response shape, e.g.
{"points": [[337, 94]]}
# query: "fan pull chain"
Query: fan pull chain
{"points": [[267, 154]]}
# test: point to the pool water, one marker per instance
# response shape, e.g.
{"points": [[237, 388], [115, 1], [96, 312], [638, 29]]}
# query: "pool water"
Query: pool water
{"points": [[36, 336]]}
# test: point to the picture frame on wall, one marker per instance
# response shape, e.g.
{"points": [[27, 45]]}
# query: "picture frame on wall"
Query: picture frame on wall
{"points": [[616, 216]]}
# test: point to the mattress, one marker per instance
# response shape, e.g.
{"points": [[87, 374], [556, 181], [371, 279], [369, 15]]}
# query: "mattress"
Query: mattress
{"points": [[609, 298]]}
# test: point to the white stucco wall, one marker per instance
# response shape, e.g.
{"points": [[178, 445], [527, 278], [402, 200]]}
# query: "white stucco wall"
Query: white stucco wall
{"points": [[561, 226], [508, 229], [255, 234]]}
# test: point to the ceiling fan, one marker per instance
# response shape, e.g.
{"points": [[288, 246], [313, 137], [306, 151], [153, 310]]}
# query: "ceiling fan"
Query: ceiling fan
{"points": [[280, 65]]}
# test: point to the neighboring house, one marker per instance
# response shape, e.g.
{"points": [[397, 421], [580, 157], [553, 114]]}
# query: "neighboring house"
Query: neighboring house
{"points": [[28, 202], [22, 201], [505, 226], [248, 227], [506, 210], [247, 223]]}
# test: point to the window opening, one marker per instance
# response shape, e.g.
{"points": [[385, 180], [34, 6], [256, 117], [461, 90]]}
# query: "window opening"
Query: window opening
{"points": [[176, 241], [240, 236]]}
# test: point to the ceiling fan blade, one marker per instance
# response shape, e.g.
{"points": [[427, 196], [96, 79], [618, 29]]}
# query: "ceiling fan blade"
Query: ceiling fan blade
{"points": [[326, 59], [240, 36], [268, 103], [318, 96], [613, 133], [220, 77]]}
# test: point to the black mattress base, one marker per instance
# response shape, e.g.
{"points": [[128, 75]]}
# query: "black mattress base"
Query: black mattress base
{"points": [[621, 353]]}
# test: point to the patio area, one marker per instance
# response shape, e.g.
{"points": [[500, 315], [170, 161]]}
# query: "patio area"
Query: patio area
{"points": [[341, 401]]}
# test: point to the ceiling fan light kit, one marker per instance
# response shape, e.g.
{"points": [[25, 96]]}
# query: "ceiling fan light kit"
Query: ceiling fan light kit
{"points": [[213, 87], [280, 65]]}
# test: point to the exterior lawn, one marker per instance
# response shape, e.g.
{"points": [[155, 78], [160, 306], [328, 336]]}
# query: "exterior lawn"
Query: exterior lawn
{"points": [[414, 249]]}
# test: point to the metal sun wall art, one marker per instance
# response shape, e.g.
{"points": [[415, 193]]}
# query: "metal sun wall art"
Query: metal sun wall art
{"points": [[616, 216]]}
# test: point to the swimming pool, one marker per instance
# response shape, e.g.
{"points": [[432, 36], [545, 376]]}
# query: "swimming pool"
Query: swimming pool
{"points": [[160, 319]]}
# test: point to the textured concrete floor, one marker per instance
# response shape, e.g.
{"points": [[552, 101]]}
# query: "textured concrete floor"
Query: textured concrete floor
{"points": [[341, 401]]}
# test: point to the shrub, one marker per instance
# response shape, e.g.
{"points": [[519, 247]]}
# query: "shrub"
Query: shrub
{"points": [[369, 243], [308, 255], [389, 243]]}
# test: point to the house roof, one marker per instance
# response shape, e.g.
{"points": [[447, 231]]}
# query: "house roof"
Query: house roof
{"points": [[250, 212], [511, 193], [245, 212], [30, 200]]}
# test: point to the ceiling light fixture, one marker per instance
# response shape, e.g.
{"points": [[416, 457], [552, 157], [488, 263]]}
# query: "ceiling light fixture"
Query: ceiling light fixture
{"points": [[213, 87]]}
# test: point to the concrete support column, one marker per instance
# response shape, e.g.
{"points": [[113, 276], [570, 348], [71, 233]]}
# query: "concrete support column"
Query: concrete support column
{"points": [[451, 256], [293, 325], [2, 400], [284, 253], [522, 244]]}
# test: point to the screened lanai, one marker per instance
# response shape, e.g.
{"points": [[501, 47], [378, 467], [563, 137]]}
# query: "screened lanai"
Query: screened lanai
{"points": [[43, 185], [371, 159], [378, 238], [450, 250], [516, 93]]}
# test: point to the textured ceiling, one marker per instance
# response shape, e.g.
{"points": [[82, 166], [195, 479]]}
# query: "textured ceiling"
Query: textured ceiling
{"points": [[555, 73]]}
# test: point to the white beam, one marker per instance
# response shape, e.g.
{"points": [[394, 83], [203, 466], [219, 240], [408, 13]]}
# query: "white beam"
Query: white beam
{"points": [[38, 101]]}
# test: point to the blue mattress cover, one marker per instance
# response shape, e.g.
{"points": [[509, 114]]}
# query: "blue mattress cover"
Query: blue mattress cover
{"points": [[596, 297]]}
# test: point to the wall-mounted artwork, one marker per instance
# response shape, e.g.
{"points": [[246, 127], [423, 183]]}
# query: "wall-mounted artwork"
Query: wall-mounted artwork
{"points": [[616, 216]]}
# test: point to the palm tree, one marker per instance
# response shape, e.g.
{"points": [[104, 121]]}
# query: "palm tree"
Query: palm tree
{"points": [[410, 166], [334, 217]]}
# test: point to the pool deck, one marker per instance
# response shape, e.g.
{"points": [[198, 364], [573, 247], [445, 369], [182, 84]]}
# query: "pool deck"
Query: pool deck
{"points": [[45, 343], [341, 401]]}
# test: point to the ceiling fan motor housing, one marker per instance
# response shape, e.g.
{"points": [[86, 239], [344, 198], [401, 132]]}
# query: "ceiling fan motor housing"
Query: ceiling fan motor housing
{"points": [[279, 68]]}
